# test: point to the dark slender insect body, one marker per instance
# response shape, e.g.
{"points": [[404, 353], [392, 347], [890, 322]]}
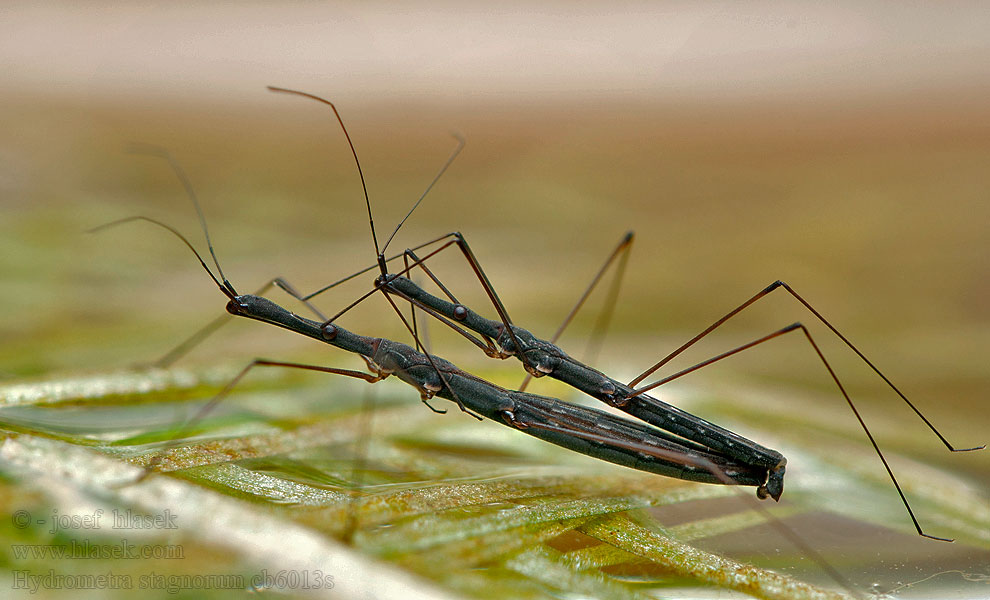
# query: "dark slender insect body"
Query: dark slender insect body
{"points": [[540, 357], [545, 358], [589, 431], [672, 442], [688, 433], [575, 427], [668, 441], [582, 429]]}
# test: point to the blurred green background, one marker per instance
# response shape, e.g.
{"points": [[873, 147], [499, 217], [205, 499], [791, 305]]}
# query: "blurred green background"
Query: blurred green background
{"points": [[845, 152]]}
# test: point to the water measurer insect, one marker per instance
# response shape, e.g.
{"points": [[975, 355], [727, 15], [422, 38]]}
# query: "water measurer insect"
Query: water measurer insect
{"points": [[670, 442], [501, 339], [578, 428]]}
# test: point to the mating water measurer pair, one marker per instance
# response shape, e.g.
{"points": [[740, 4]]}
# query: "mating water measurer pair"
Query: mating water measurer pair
{"points": [[668, 441]]}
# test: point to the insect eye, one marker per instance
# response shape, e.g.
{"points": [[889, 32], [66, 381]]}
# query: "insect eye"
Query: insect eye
{"points": [[234, 307]]}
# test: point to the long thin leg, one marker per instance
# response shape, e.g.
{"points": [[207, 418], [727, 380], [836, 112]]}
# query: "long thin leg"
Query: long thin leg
{"points": [[370, 268], [503, 314], [480, 324], [780, 284], [212, 404], [632, 394], [485, 343], [433, 364], [421, 331], [191, 342], [412, 315], [486, 284], [360, 463], [620, 252], [597, 336], [622, 249], [835, 378], [488, 348], [374, 290]]}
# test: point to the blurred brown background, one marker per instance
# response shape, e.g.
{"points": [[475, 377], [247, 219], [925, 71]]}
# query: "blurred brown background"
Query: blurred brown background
{"points": [[845, 150]]}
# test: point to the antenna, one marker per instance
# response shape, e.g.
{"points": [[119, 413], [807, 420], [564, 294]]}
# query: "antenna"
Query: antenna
{"points": [[453, 155], [364, 186], [152, 150], [225, 287]]}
